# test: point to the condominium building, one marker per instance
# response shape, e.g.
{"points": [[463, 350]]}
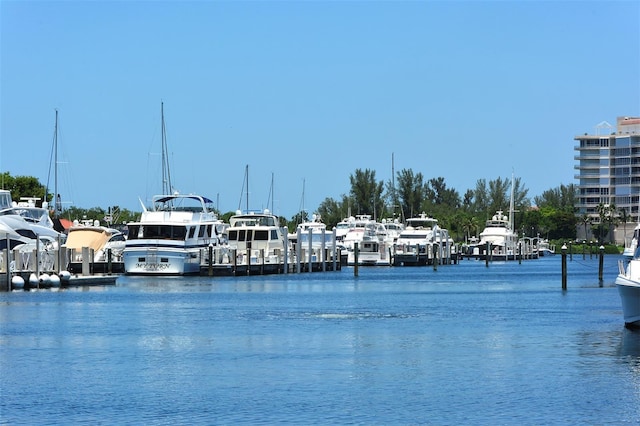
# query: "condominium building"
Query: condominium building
{"points": [[608, 165]]}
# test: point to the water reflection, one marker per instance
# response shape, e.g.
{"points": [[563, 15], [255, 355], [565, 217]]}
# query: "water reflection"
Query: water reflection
{"points": [[630, 345]]}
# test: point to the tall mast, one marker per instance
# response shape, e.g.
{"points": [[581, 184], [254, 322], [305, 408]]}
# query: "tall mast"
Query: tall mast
{"points": [[167, 188], [246, 173], [393, 185], [511, 205], [55, 168]]}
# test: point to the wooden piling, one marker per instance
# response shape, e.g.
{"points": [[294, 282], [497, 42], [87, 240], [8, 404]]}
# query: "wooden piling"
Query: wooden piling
{"points": [[355, 259], [564, 267], [487, 252], [210, 271], [601, 265], [109, 262]]}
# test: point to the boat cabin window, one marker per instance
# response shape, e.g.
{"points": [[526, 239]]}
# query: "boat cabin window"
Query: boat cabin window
{"points": [[27, 233], [192, 231], [12, 243], [274, 234], [261, 235], [414, 236], [157, 232], [117, 237]]}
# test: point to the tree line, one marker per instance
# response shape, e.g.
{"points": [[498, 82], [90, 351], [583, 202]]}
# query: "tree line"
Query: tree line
{"points": [[551, 215]]}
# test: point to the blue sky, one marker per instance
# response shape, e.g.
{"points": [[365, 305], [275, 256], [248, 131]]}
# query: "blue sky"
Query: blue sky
{"points": [[307, 92]]}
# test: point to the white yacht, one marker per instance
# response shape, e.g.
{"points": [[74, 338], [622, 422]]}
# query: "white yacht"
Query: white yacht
{"points": [[170, 238], [256, 239], [311, 238], [500, 238], [414, 245], [342, 228], [23, 223], [361, 228], [389, 230]]}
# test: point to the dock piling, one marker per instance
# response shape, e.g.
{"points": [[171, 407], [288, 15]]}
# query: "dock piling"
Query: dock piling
{"points": [[564, 267]]}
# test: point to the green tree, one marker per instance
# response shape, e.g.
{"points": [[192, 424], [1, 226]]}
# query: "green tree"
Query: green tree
{"points": [[332, 211], [23, 186], [440, 201], [411, 192], [366, 192], [562, 197], [481, 198]]}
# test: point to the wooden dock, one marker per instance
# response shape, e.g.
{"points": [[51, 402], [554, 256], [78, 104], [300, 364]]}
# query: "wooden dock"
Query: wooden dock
{"points": [[225, 262], [39, 270]]}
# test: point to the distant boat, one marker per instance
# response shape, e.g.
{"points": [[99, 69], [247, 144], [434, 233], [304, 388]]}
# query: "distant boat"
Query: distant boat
{"points": [[545, 248], [415, 244], [499, 235], [256, 238], [314, 231]]}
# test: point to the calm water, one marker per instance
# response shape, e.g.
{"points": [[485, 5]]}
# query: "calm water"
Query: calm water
{"points": [[465, 344]]}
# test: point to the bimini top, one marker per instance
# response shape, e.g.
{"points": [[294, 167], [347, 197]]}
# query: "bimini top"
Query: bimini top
{"points": [[182, 202], [166, 198]]}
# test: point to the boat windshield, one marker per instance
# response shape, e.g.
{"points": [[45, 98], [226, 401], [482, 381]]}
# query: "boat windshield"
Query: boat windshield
{"points": [[251, 220], [157, 232]]}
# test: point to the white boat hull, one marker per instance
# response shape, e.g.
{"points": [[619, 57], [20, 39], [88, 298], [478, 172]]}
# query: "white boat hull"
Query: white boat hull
{"points": [[147, 261], [628, 283], [630, 296]]}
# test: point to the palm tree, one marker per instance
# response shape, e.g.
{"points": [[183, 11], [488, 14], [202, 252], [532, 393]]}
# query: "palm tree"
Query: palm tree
{"points": [[585, 220], [469, 226]]}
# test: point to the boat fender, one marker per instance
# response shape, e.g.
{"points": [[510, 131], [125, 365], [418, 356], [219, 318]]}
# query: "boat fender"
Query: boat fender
{"points": [[17, 282], [54, 280], [65, 276]]}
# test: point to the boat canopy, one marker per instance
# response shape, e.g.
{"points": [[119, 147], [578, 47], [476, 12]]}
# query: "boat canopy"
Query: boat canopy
{"points": [[192, 197], [94, 238]]}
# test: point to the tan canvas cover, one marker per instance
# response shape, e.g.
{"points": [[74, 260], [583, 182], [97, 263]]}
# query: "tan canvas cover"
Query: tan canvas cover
{"points": [[94, 238]]}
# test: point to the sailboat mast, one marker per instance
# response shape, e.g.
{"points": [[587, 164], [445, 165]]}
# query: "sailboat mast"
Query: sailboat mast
{"points": [[246, 173], [511, 205], [55, 168], [167, 188]]}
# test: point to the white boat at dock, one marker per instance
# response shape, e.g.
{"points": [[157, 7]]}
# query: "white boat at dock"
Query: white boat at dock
{"points": [[255, 238], [421, 242], [312, 242], [101, 244], [169, 238], [498, 240]]}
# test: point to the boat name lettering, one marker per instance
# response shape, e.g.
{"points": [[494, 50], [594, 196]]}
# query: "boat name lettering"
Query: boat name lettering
{"points": [[152, 266]]}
